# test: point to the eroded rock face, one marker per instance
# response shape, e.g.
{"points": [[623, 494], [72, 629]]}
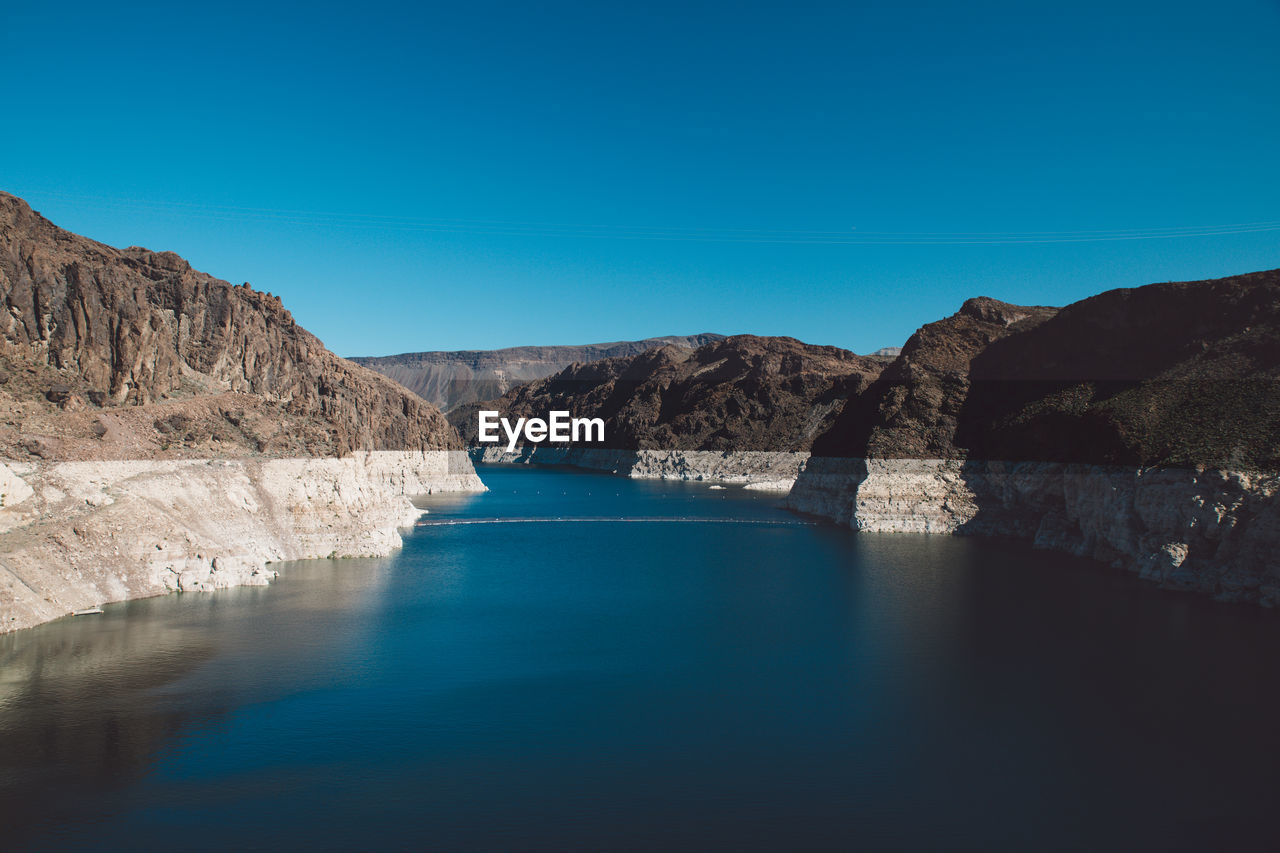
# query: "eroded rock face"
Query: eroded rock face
{"points": [[744, 393], [1181, 374], [84, 325], [1209, 531], [77, 534]]}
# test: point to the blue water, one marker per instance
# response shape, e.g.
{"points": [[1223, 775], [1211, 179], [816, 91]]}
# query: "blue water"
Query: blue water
{"points": [[594, 663]]}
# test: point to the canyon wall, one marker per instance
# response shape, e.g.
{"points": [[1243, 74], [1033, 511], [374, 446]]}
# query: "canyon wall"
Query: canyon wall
{"points": [[161, 429], [742, 410], [743, 393], [89, 328], [1142, 427], [1208, 530], [78, 534]]}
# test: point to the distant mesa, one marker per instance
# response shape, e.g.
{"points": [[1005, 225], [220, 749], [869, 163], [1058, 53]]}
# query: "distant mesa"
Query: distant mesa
{"points": [[451, 379]]}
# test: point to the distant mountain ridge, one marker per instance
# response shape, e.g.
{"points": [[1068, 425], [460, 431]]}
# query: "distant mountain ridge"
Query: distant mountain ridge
{"points": [[449, 379], [740, 393]]}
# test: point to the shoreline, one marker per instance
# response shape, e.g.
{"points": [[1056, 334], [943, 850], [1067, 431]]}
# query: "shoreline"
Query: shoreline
{"points": [[753, 469]]}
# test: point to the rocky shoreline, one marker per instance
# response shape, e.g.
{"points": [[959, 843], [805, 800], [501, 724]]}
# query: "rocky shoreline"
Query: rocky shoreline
{"points": [[1209, 531], [77, 534], [752, 469]]}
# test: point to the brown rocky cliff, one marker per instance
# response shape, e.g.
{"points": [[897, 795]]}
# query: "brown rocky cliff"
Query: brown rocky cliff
{"points": [[742, 393], [1173, 374], [111, 328], [913, 408]]}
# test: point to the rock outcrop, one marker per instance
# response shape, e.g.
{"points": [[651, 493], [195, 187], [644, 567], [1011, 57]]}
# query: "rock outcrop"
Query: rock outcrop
{"points": [[913, 408], [86, 327], [741, 410], [451, 379], [1180, 374], [86, 533]]}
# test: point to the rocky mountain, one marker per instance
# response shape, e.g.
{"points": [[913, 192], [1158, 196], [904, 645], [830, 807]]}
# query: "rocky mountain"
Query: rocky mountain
{"points": [[913, 408], [129, 353], [1175, 374], [1139, 427], [743, 393], [163, 430], [1181, 374], [451, 379]]}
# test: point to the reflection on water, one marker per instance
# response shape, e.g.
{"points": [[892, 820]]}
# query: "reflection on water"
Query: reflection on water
{"points": [[60, 751], [89, 704], [760, 685]]}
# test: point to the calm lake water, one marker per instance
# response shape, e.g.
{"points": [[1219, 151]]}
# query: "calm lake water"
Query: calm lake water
{"points": [[711, 673]]}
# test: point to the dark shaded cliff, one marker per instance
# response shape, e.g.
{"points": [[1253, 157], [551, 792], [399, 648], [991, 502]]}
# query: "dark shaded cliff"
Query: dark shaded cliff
{"points": [[451, 379], [1180, 374], [913, 408], [1139, 427], [134, 351], [741, 393]]}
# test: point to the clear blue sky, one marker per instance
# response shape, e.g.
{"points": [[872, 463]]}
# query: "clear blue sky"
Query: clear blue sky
{"points": [[475, 175]]}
